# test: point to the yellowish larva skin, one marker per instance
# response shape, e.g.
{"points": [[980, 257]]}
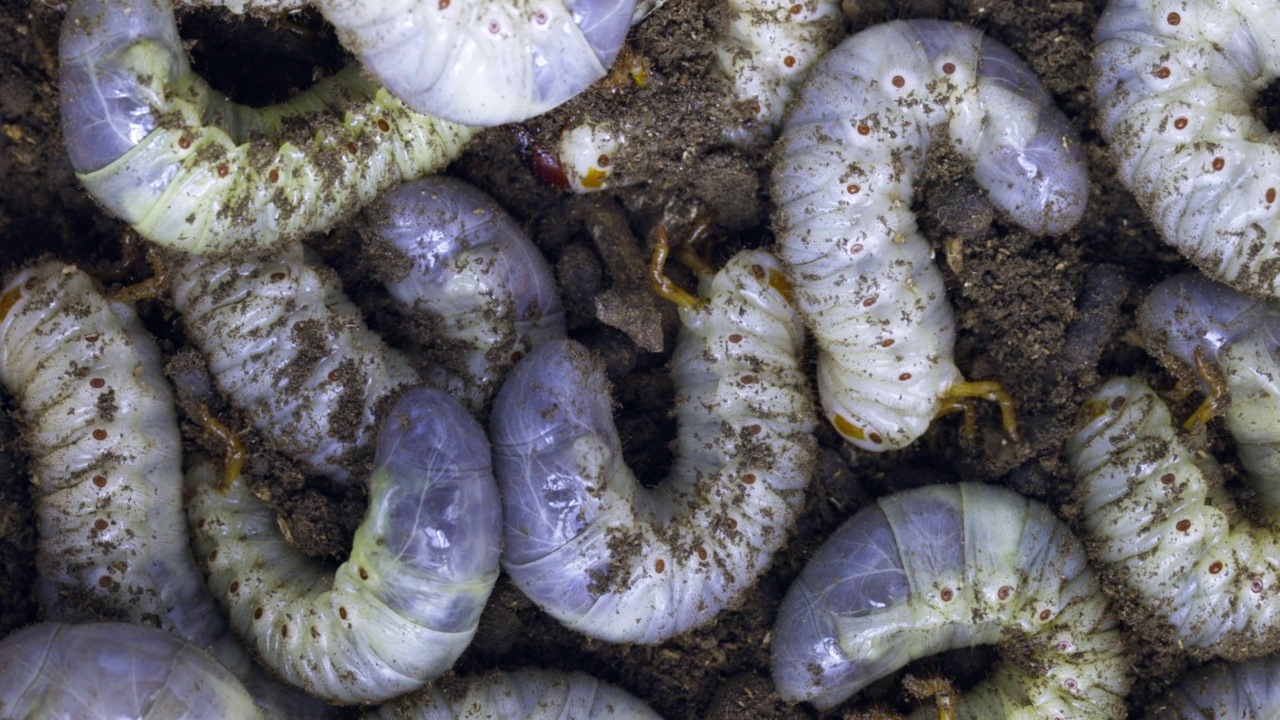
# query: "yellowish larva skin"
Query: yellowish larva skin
{"points": [[532, 694]]}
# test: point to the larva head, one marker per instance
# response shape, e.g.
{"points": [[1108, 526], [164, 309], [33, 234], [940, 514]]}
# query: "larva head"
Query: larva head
{"points": [[1191, 311]]}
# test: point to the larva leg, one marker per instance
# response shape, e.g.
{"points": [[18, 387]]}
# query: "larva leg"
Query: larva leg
{"points": [[1219, 396], [953, 566], [994, 392], [1176, 84], [406, 603], [864, 277], [1224, 691], [188, 168], [459, 263], [623, 563]]}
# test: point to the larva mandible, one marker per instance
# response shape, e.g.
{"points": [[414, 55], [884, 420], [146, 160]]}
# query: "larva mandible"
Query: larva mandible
{"points": [[950, 566], [1175, 89], [1237, 335], [406, 603], [188, 168], [851, 148], [1224, 691], [623, 563], [287, 346], [531, 694], [1183, 548], [467, 268], [100, 670]]}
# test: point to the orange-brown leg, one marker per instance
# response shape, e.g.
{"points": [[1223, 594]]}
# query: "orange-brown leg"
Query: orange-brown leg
{"points": [[1219, 396], [147, 289], [235, 452], [662, 284], [935, 687], [987, 390]]}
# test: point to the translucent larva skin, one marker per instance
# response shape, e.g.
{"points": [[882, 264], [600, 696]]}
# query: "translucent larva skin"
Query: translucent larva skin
{"points": [[189, 169], [521, 695], [952, 566], [114, 670], [1192, 557], [473, 274], [1224, 691], [850, 150], [1239, 334], [406, 603], [619, 562], [287, 346], [1175, 90], [483, 63]]}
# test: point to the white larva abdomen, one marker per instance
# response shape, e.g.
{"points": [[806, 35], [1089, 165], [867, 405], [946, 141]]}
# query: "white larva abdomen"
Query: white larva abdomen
{"points": [[623, 563], [406, 603], [851, 147], [1176, 86], [285, 345], [1224, 691], [532, 694], [187, 168], [952, 566], [1238, 334], [1182, 546], [480, 62], [114, 670], [468, 270]]}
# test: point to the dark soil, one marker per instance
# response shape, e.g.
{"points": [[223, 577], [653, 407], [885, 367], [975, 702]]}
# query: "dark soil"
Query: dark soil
{"points": [[1047, 317]]}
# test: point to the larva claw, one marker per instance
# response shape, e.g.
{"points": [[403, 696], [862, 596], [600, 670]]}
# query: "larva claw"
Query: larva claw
{"points": [[663, 285], [1219, 395], [956, 398], [235, 454]]}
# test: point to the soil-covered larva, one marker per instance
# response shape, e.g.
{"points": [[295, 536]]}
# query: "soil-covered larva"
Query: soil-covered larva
{"points": [[406, 603], [531, 694], [190, 169], [286, 345], [951, 566], [1224, 691], [620, 562], [463, 266], [1175, 89], [114, 670], [1183, 548], [850, 151]]}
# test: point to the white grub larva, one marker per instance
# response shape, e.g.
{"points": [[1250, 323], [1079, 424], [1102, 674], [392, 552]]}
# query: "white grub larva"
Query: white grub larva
{"points": [[407, 601], [1175, 90], [1223, 691], [864, 277], [189, 169], [1191, 322], [114, 670], [619, 562], [1187, 553], [286, 345], [521, 694], [482, 62], [461, 264], [952, 566]]}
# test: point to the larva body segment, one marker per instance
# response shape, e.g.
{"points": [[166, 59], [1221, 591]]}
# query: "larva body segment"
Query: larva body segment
{"points": [[1192, 557], [115, 670], [1176, 86], [1224, 691], [470, 271], [190, 169], [287, 346], [406, 603], [623, 563], [483, 63], [952, 566], [531, 694], [851, 147]]}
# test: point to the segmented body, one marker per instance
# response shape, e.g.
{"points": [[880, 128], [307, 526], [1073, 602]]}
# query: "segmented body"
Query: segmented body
{"points": [[521, 694], [1224, 691], [950, 566], [848, 157], [627, 564]]}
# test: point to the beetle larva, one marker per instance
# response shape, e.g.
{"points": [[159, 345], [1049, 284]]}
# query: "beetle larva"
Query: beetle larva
{"points": [[521, 694], [623, 563], [950, 566], [114, 670], [286, 345], [1175, 88], [405, 604], [850, 150], [467, 268], [1224, 691], [1191, 556], [188, 168]]}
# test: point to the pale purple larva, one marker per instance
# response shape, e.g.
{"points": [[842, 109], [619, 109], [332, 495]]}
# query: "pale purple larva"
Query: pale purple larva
{"points": [[1245, 690], [521, 694], [853, 142], [1176, 85], [952, 566], [623, 563]]}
